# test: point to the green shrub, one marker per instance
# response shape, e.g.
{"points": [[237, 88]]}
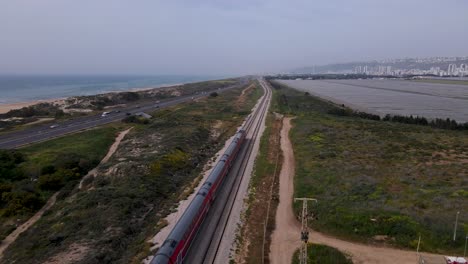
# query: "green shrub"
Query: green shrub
{"points": [[321, 254], [9, 161], [20, 202], [48, 169], [170, 162], [55, 181]]}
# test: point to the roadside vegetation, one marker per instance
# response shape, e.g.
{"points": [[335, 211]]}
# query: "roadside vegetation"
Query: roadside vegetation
{"points": [[321, 254], [29, 176], [114, 214], [30, 115], [378, 182], [84, 105], [252, 245], [421, 121]]}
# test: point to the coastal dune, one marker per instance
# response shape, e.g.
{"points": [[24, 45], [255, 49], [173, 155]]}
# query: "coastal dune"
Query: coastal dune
{"points": [[4, 108]]}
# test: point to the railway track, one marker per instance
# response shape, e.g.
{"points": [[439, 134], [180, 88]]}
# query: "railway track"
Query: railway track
{"points": [[211, 244]]}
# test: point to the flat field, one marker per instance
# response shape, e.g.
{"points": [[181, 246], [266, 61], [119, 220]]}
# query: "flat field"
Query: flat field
{"points": [[378, 181], [396, 97], [460, 82]]}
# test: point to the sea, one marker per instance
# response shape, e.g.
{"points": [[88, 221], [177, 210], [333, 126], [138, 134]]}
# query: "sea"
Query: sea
{"points": [[25, 88]]}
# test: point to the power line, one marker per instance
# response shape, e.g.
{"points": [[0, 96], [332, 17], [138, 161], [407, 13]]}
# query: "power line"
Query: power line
{"points": [[303, 258]]}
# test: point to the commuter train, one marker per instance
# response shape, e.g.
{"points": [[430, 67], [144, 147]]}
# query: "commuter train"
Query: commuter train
{"points": [[176, 245]]}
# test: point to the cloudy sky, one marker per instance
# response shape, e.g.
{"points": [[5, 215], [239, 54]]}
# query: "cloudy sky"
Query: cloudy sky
{"points": [[221, 36]]}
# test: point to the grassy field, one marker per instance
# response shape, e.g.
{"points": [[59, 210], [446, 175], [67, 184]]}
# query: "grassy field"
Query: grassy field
{"points": [[48, 164], [442, 81], [112, 217], [321, 254], [376, 181], [92, 145]]}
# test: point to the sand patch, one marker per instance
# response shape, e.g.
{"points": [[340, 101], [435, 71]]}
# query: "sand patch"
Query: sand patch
{"points": [[74, 253]]}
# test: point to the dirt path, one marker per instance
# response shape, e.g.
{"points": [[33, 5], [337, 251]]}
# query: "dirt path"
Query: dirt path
{"points": [[13, 235], [286, 237], [112, 149]]}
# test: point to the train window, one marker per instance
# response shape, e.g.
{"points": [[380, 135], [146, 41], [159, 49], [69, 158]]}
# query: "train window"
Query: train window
{"points": [[173, 244]]}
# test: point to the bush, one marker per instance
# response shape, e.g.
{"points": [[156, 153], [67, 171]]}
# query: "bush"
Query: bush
{"points": [[321, 254], [214, 94], [171, 162], [41, 109], [9, 161], [21, 202], [136, 120], [436, 123], [59, 114], [67, 161], [50, 182], [57, 180], [129, 96], [48, 169]]}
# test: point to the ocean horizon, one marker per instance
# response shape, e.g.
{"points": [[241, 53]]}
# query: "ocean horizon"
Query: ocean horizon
{"points": [[26, 88]]}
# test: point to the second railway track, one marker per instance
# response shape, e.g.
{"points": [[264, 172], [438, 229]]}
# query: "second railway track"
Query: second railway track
{"points": [[207, 247]]}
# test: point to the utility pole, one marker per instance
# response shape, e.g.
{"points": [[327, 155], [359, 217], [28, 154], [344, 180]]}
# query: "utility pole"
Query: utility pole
{"points": [[305, 229], [455, 229]]}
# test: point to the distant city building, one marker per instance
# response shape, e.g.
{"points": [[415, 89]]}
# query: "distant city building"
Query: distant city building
{"points": [[436, 66], [452, 69], [464, 68]]}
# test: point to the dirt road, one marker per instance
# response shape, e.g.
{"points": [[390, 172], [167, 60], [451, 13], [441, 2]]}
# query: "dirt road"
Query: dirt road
{"points": [[13, 235], [286, 237], [110, 152]]}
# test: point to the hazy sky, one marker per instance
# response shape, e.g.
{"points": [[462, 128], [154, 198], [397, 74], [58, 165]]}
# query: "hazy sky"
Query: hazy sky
{"points": [[221, 36]]}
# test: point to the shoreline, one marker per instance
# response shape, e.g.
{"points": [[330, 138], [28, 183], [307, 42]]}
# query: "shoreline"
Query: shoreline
{"points": [[6, 107]]}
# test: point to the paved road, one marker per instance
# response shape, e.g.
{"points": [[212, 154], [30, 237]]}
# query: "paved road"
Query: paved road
{"points": [[45, 132], [217, 232]]}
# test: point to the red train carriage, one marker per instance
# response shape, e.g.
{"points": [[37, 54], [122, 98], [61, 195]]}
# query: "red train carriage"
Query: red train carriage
{"points": [[175, 247]]}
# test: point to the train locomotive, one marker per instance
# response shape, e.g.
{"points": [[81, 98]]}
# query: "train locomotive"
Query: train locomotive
{"points": [[177, 243]]}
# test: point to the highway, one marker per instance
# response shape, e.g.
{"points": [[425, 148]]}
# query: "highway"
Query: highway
{"points": [[17, 139], [217, 233]]}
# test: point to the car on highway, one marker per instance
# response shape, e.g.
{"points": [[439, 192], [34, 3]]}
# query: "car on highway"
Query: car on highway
{"points": [[54, 126], [104, 114]]}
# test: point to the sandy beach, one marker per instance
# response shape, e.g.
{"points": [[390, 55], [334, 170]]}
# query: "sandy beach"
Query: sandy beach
{"points": [[4, 108], [7, 107]]}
